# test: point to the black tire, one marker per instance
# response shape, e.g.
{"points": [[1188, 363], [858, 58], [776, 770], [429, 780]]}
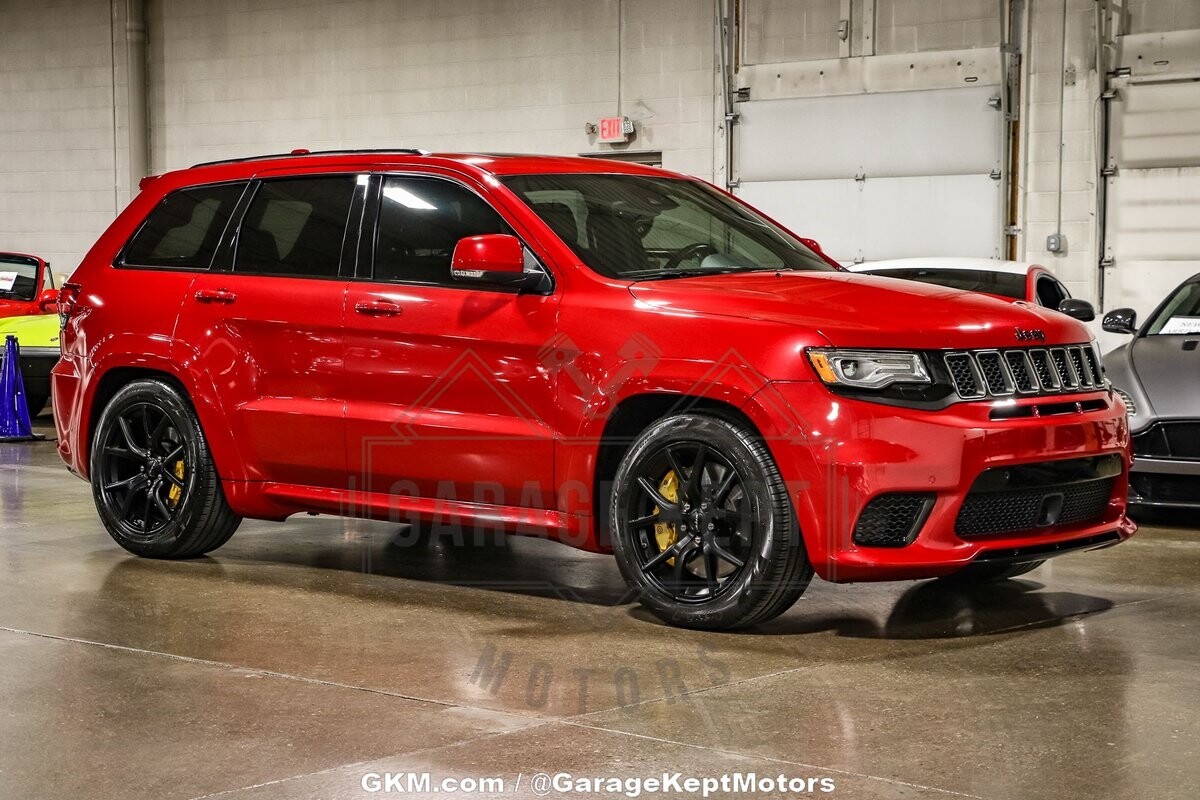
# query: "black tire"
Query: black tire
{"points": [[738, 556], [153, 477], [991, 573]]}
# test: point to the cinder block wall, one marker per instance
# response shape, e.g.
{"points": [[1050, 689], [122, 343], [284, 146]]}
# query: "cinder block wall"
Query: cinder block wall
{"points": [[238, 77], [57, 155], [235, 77]]}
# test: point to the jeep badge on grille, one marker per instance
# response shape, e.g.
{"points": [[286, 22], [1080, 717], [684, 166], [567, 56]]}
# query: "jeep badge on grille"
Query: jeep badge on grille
{"points": [[1029, 334]]}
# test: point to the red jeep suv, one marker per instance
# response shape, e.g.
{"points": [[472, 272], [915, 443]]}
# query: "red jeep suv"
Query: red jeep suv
{"points": [[617, 357]]}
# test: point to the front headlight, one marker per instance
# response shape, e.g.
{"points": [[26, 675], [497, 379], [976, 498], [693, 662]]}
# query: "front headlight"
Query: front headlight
{"points": [[868, 369]]}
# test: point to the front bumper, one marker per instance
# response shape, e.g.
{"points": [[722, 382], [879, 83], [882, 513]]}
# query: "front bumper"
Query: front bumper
{"points": [[837, 454], [1166, 468]]}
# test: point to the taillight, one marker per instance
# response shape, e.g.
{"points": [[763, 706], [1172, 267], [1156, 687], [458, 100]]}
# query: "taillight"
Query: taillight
{"points": [[66, 302]]}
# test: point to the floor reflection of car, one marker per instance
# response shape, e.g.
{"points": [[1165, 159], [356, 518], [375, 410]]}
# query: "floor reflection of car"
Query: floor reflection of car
{"points": [[37, 337], [26, 285], [1158, 375], [1008, 280]]}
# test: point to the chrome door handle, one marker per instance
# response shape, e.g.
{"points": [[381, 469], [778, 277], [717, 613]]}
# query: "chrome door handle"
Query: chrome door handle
{"points": [[215, 296], [377, 308]]}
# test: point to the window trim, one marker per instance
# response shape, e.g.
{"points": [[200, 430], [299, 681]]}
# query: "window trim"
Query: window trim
{"points": [[120, 262], [1058, 285], [369, 243], [225, 258], [40, 270]]}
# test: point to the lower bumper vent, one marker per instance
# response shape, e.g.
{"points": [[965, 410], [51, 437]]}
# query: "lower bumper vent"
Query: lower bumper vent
{"points": [[1033, 497], [1152, 488], [893, 520]]}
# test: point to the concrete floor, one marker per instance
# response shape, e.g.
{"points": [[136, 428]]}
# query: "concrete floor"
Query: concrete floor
{"points": [[303, 655]]}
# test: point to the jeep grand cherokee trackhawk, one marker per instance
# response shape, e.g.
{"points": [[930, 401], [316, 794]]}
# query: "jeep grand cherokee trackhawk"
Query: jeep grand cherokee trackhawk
{"points": [[617, 357]]}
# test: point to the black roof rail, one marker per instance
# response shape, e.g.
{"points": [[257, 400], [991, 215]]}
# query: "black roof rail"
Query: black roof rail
{"points": [[410, 151]]}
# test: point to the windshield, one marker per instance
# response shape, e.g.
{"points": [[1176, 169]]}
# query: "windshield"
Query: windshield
{"points": [[1004, 284], [1180, 314], [18, 278], [634, 227]]}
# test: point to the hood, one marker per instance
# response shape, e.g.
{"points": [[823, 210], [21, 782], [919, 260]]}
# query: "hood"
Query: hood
{"points": [[1168, 374], [38, 330], [856, 310]]}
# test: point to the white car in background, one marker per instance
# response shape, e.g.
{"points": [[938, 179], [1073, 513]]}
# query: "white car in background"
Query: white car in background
{"points": [[1008, 280]]}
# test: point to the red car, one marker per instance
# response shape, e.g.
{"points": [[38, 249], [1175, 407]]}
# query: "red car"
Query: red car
{"points": [[614, 356], [26, 286]]}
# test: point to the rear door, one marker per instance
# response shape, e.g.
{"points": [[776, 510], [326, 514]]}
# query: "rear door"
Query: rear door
{"points": [[266, 326], [448, 395]]}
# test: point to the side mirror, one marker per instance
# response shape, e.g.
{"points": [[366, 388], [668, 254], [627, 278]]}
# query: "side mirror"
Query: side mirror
{"points": [[493, 259], [1081, 310], [815, 246], [48, 301], [1120, 320]]}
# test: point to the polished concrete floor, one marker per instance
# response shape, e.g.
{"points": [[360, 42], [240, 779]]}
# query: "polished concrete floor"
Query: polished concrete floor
{"points": [[304, 655]]}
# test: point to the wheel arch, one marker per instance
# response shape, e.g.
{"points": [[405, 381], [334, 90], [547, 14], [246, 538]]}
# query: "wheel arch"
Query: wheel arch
{"points": [[628, 419], [108, 379]]}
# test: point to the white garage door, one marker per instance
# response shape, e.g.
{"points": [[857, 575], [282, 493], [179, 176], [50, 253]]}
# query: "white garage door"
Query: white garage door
{"points": [[1152, 231], [874, 176]]}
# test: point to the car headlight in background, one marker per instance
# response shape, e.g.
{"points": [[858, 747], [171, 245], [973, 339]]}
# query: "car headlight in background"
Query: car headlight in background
{"points": [[868, 369], [1130, 406]]}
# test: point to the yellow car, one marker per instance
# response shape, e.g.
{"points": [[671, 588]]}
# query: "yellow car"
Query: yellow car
{"points": [[37, 337]]}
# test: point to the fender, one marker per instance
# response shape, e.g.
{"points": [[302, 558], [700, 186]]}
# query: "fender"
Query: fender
{"points": [[786, 432], [160, 354], [575, 465]]}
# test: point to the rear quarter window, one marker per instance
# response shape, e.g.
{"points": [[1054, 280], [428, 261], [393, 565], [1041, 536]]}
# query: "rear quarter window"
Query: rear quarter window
{"points": [[184, 229]]}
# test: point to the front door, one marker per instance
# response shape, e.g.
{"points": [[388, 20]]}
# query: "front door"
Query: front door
{"points": [[448, 395]]}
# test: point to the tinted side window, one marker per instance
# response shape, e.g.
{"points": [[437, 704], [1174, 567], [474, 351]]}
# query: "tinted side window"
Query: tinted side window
{"points": [[420, 222], [295, 226], [184, 229]]}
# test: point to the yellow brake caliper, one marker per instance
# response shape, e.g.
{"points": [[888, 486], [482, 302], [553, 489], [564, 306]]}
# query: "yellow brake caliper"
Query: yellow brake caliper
{"points": [[176, 492], [664, 532]]}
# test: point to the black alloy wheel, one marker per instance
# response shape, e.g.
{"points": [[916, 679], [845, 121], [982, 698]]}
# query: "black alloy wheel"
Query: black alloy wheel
{"points": [[703, 527], [152, 475]]}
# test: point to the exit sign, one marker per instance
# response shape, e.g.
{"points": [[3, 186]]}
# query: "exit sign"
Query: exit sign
{"points": [[615, 129]]}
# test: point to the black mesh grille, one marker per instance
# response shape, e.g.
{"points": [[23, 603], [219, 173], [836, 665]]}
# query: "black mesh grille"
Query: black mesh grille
{"points": [[1081, 369], [993, 373], [1045, 369], [963, 375], [892, 520], [1018, 365], [1066, 377], [1085, 501], [1094, 364], [985, 513], [1001, 373]]}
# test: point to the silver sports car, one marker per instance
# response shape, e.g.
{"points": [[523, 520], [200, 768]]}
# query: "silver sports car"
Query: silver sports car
{"points": [[1158, 376]]}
